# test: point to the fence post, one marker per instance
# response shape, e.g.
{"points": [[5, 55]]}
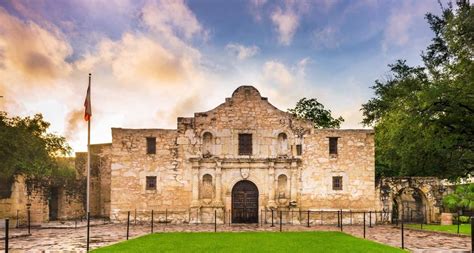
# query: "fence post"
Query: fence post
{"points": [[281, 219], [364, 224], [152, 221], [29, 222], [7, 226], [272, 219], [341, 220], [370, 219], [215, 220], [338, 218], [128, 223], [308, 218], [403, 236], [17, 219], [88, 231]]}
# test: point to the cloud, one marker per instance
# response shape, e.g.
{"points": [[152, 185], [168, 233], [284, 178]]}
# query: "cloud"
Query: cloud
{"points": [[278, 74], [242, 52], [403, 21], [286, 23], [256, 8], [171, 17], [286, 19], [328, 37], [31, 51]]}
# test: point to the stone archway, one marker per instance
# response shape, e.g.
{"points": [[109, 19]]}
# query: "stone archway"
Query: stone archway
{"points": [[411, 197], [411, 205], [245, 202]]}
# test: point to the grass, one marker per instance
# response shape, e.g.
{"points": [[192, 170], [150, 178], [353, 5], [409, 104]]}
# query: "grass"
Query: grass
{"points": [[463, 228], [249, 242]]}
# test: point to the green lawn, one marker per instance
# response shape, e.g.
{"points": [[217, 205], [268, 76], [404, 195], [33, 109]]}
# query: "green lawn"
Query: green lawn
{"points": [[463, 229], [249, 242]]}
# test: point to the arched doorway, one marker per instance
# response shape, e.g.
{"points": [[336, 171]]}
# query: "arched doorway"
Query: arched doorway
{"points": [[410, 204], [244, 202]]}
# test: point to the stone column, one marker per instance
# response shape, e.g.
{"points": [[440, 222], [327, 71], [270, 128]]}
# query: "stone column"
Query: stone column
{"points": [[271, 185], [294, 181], [218, 196], [195, 212]]}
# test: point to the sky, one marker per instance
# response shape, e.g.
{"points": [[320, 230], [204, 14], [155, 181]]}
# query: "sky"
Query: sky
{"points": [[152, 61]]}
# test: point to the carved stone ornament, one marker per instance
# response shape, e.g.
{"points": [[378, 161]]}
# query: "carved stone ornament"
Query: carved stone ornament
{"points": [[245, 173]]}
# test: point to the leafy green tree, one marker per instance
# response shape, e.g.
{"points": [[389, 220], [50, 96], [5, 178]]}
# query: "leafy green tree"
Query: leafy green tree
{"points": [[424, 116], [312, 110], [27, 149], [461, 198]]}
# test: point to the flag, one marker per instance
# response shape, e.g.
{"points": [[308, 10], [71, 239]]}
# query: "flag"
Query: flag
{"points": [[87, 103]]}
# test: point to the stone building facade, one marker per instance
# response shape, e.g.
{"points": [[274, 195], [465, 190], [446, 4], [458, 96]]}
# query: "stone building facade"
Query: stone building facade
{"points": [[245, 156]]}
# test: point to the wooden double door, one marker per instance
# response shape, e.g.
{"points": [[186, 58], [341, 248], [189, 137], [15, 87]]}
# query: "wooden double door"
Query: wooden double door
{"points": [[245, 202]]}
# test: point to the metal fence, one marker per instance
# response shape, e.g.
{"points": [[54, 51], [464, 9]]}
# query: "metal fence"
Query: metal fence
{"points": [[270, 220]]}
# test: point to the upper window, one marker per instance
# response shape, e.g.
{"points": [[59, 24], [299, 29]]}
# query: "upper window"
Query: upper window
{"points": [[299, 149], [333, 145], [151, 183], [245, 144], [337, 183], [150, 145]]}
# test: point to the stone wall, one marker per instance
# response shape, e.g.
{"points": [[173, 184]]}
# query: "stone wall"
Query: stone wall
{"points": [[429, 191], [354, 163], [131, 164], [100, 181], [19, 201]]}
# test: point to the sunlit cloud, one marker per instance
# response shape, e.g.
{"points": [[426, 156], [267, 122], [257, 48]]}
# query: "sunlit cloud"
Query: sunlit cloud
{"points": [[242, 52]]}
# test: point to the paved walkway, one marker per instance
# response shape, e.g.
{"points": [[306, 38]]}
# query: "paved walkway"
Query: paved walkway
{"points": [[74, 240]]}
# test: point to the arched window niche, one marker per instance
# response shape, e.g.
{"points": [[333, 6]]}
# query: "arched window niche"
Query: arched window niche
{"points": [[207, 144], [282, 186], [207, 188], [282, 144]]}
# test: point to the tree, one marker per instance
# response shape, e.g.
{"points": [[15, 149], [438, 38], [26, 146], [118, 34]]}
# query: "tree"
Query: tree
{"points": [[27, 149], [312, 110], [461, 198], [424, 116]]}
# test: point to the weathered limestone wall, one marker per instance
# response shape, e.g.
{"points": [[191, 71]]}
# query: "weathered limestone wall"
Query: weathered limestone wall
{"points": [[100, 181], [19, 201], [131, 164], [354, 162], [412, 196]]}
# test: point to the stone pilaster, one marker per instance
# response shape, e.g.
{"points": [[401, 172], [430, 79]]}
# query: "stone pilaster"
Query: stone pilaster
{"points": [[218, 196], [271, 185], [195, 182]]}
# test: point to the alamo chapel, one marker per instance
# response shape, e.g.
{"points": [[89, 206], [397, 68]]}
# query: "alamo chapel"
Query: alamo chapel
{"points": [[243, 156]]}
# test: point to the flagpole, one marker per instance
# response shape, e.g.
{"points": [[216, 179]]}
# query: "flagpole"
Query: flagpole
{"points": [[88, 157]]}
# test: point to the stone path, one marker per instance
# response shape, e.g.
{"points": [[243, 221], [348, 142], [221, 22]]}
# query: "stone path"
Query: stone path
{"points": [[74, 240]]}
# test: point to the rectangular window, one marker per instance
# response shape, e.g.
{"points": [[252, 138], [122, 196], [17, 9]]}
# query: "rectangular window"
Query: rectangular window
{"points": [[299, 149], [337, 183], [333, 145], [151, 183], [150, 145], [245, 144]]}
